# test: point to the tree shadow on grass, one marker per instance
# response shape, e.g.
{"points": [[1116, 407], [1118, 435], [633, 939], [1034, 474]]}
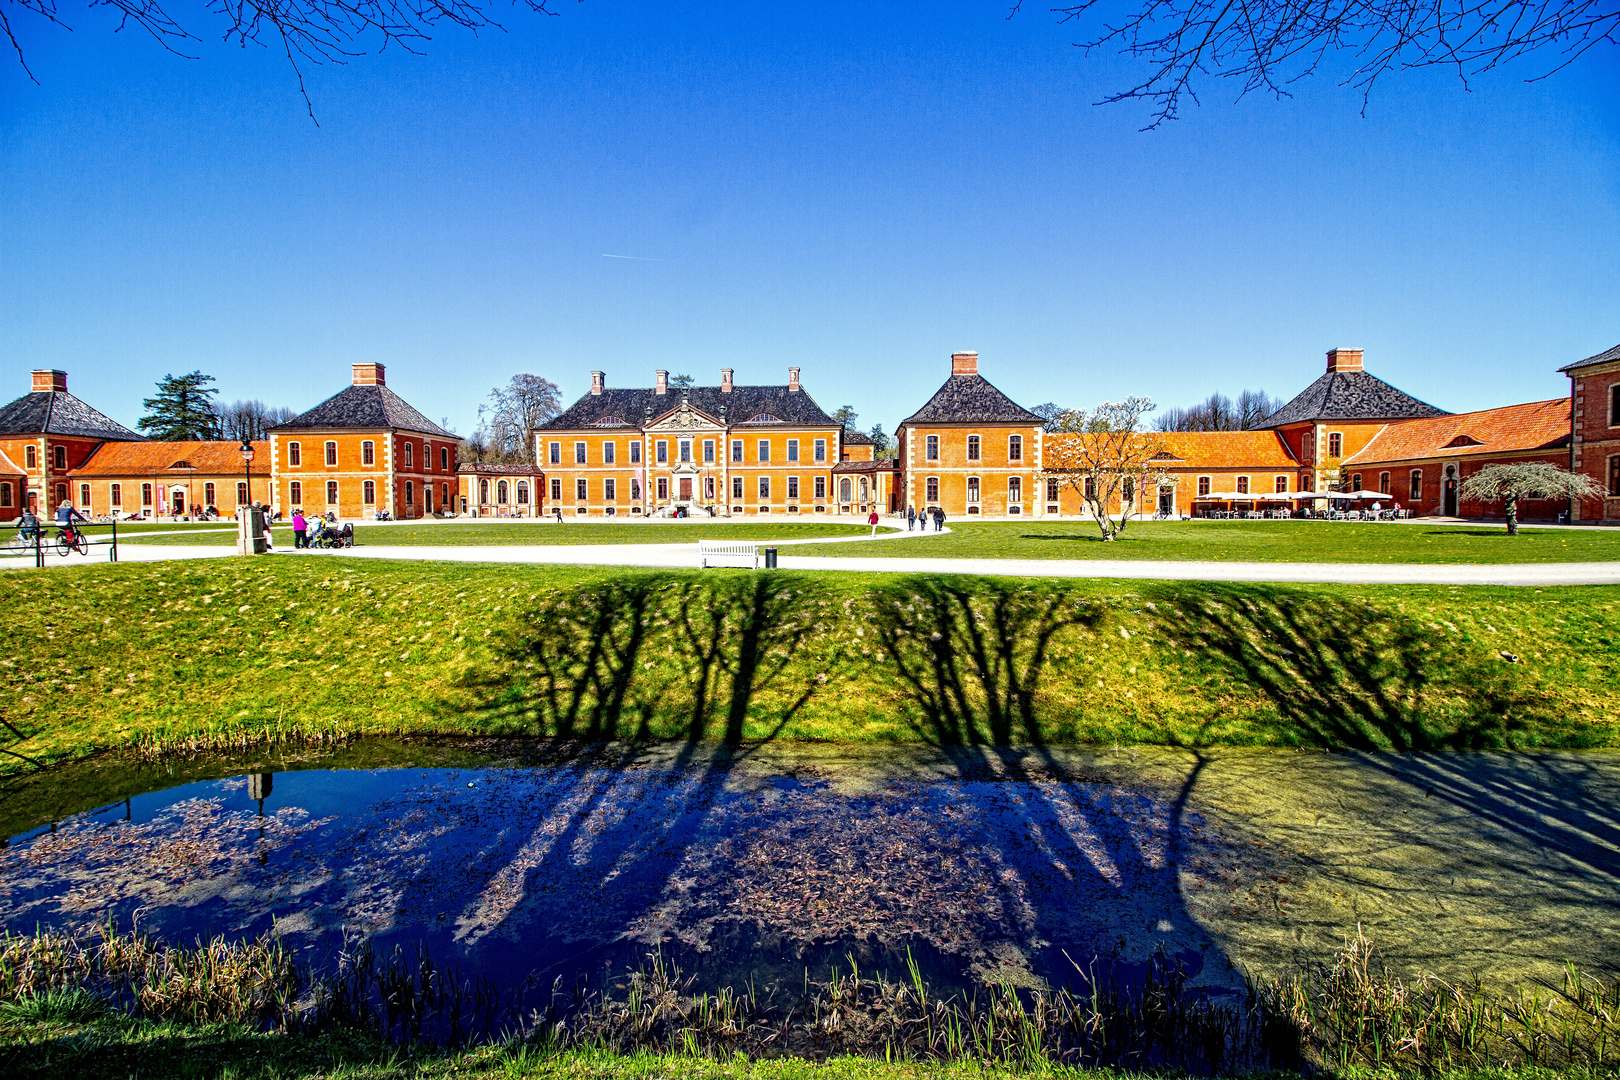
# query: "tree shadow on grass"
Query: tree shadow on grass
{"points": [[971, 654], [644, 657], [1345, 675]]}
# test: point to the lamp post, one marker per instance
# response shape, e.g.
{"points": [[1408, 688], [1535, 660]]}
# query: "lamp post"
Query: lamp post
{"points": [[246, 450]]}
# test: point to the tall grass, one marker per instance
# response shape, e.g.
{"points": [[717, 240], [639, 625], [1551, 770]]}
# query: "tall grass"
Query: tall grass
{"points": [[1349, 1015]]}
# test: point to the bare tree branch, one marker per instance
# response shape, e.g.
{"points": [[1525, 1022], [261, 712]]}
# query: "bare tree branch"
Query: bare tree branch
{"points": [[1270, 44], [306, 31]]}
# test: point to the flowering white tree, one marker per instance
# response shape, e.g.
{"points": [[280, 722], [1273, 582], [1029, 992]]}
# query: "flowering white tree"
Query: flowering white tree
{"points": [[1102, 455], [1507, 484]]}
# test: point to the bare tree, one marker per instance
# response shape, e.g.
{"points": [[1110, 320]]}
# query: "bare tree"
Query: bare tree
{"points": [[513, 412], [1267, 45], [1219, 413], [1049, 411], [305, 31], [1103, 456], [250, 420], [1507, 484]]}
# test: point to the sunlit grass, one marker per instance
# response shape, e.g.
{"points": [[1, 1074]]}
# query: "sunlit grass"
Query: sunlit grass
{"points": [[1255, 541], [220, 653]]}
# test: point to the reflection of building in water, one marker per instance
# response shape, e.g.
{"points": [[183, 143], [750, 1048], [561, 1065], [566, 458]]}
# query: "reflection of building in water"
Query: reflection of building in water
{"points": [[259, 785]]}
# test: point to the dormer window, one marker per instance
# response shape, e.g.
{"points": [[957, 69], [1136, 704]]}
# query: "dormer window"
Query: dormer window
{"points": [[1465, 440], [765, 418], [610, 421]]}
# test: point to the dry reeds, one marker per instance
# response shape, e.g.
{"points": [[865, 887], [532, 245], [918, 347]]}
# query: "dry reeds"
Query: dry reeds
{"points": [[1348, 1015]]}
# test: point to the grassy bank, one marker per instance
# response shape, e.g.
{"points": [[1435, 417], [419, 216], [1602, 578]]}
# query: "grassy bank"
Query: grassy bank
{"points": [[223, 653], [127, 1005], [1256, 541], [546, 531]]}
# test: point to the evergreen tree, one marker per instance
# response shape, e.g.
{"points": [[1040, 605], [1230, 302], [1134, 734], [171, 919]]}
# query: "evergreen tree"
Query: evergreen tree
{"points": [[182, 410]]}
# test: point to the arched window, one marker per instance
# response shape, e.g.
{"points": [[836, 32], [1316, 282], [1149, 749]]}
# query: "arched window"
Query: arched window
{"points": [[1015, 448], [146, 494], [1383, 483], [1335, 444], [933, 447], [368, 492], [973, 489], [865, 487], [1015, 489], [116, 493], [5, 494], [843, 490], [295, 454], [1417, 485], [331, 452], [31, 457], [483, 491], [501, 492], [208, 494], [973, 448], [408, 452], [61, 456], [523, 492], [368, 453], [295, 492], [331, 493], [1281, 483], [1355, 481], [84, 495], [410, 493]]}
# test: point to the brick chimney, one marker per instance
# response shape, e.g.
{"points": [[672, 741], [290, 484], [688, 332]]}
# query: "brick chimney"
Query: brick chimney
{"points": [[964, 363], [661, 380], [46, 380], [368, 375], [793, 379], [598, 382], [725, 380], [1344, 360]]}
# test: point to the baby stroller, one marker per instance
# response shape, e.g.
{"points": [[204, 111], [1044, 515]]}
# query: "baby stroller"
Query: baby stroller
{"points": [[327, 537]]}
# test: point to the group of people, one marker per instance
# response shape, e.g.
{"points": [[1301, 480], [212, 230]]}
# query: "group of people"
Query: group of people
{"points": [[915, 520]]}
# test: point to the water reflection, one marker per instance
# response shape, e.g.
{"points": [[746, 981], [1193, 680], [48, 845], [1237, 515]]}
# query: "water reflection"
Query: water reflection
{"points": [[741, 873]]}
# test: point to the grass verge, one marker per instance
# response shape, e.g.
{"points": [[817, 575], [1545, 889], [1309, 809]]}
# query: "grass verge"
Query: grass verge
{"points": [[211, 654], [1255, 541]]}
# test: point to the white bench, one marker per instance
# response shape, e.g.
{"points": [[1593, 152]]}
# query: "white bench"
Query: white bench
{"points": [[728, 553]]}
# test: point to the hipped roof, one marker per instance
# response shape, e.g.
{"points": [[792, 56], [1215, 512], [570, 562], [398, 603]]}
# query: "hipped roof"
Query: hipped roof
{"points": [[970, 399], [214, 458], [367, 408], [1192, 450], [57, 412], [1605, 357], [1536, 425], [636, 406], [1351, 395]]}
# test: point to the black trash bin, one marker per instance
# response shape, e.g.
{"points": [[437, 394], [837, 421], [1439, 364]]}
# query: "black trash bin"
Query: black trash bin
{"points": [[770, 558]]}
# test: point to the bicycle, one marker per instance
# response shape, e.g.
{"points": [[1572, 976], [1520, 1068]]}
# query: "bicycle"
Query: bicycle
{"points": [[71, 539]]}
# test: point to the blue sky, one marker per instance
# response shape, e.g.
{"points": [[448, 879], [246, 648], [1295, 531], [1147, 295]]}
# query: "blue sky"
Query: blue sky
{"points": [[855, 189]]}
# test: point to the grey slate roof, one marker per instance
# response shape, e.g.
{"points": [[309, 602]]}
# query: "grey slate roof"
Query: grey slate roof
{"points": [[1592, 361], [365, 407], [970, 399], [1351, 395], [57, 412], [856, 438], [794, 408]]}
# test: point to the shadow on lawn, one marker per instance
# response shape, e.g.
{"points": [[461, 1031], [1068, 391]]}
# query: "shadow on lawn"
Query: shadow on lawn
{"points": [[644, 657], [971, 656], [1349, 676]]}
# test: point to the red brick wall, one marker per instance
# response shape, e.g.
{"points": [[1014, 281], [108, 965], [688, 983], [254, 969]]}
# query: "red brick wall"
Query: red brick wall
{"points": [[1597, 435]]}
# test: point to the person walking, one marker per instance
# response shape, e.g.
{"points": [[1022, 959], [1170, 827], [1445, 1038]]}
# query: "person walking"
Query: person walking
{"points": [[299, 528], [558, 511], [873, 521], [911, 518], [939, 519]]}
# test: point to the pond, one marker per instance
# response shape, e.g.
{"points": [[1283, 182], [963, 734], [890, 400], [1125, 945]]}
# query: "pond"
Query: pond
{"points": [[528, 863]]}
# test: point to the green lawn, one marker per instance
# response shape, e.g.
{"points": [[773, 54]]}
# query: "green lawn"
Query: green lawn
{"points": [[449, 533], [1256, 541], [221, 653]]}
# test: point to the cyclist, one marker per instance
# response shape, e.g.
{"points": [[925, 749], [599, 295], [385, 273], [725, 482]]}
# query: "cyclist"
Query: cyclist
{"points": [[28, 527], [66, 517]]}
